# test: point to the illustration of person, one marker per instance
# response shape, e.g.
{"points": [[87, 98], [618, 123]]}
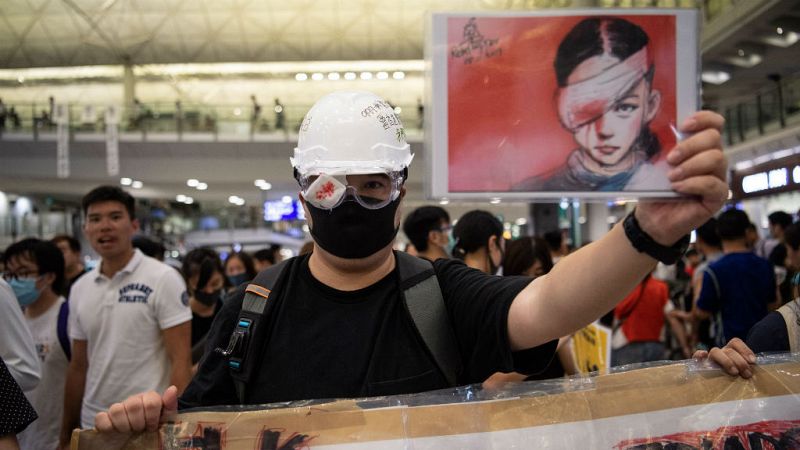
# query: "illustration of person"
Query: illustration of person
{"points": [[605, 98]]}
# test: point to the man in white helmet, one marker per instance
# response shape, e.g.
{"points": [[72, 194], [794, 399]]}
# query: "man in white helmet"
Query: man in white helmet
{"points": [[338, 326]]}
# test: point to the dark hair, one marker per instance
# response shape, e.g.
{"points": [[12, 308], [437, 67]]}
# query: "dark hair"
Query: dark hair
{"points": [[202, 262], [109, 194], [74, 244], [732, 224], [522, 253], [554, 239], [780, 218], [472, 231], [792, 236], [422, 221], [591, 37], [247, 260], [44, 254], [149, 247], [265, 254], [708, 233]]}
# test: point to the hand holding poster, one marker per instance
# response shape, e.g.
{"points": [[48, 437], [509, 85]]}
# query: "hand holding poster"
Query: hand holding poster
{"points": [[553, 104], [679, 406]]}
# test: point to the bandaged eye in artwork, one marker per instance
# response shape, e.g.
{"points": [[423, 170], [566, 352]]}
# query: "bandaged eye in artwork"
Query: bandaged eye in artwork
{"points": [[582, 104]]}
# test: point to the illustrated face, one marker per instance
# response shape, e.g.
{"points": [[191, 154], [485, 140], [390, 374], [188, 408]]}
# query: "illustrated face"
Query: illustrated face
{"points": [[608, 140], [109, 228]]}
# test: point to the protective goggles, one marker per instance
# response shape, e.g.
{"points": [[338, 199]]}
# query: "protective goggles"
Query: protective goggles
{"points": [[372, 191]]}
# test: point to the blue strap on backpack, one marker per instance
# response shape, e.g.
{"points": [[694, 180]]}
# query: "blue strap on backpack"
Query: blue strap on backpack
{"points": [[61, 329]]}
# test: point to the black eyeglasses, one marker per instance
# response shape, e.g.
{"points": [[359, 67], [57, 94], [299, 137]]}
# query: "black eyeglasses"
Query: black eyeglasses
{"points": [[9, 276]]}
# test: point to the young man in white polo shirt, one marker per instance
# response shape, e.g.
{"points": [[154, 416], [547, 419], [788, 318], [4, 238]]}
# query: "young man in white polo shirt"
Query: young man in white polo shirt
{"points": [[130, 321]]}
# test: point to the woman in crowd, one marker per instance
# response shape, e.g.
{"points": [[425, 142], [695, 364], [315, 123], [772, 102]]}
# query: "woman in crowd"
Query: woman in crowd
{"points": [[239, 267], [205, 281], [605, 98], [530, 256], [479, 241]]}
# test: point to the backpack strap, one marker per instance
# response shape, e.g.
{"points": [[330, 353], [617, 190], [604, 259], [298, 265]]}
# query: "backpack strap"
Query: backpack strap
{"points": [[242, 357], [791, 315], [61, 329], [424, 302]]}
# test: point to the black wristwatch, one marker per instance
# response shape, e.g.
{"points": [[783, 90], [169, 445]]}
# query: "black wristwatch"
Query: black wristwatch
{"points": [[642, 242]]}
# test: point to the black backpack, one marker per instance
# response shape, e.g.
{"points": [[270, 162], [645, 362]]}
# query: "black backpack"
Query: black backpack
{"points": [[421, 294]]}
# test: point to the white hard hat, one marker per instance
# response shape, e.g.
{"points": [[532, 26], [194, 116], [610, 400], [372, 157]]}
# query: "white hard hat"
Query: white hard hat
{"points": [[351, 132]]}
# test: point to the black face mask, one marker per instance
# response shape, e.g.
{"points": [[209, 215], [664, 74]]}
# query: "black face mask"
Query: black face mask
{"points": [[206, 298], [352, 231]]}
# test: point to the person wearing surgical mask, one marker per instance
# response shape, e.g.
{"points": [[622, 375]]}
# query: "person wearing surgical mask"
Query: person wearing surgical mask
{"points": [[239, 268], [205, 281], [479, 241], [35, 271]]}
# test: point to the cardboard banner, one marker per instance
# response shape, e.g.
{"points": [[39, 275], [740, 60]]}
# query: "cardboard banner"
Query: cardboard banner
{"points": [[112, 141], [678, 406], [591, 347]]}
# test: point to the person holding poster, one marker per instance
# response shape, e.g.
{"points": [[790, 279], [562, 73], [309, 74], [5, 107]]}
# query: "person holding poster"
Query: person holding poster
{"points": [[605, 98], [338, 324]]}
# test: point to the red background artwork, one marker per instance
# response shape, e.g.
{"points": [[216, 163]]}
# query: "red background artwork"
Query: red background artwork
{"points": [[502, 121]]}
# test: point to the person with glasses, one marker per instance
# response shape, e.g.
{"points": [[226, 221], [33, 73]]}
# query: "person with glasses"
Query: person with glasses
{"points": [[338, 326], [428, 228], [36, 272]]}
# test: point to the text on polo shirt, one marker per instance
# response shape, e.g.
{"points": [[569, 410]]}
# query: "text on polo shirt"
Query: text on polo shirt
{"points": [[135, 293]]}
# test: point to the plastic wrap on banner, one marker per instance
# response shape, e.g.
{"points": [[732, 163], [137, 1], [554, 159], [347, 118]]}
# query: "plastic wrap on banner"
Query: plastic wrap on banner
{"points": [[666, 405]]}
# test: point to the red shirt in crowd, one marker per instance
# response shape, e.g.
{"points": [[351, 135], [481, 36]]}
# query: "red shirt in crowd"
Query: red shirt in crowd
{"points": [[644, 308]]}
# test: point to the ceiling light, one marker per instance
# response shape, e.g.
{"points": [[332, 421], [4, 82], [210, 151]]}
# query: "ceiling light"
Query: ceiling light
{"points": [[715, 76], [350, 76], [397, 110], [259, 182], [265, 186], [137, 184], [188, 200], [191, 182], [180, 197], [202, 186], [495, 201], [301, 77], [444, 201], [752, 59], [521, 221], [21, 79], [317, 76], [366, 75], [398, 75], [382, 75], [125, 181], [333, 76], [779, 30], [785, 40], [286, 199], [237, 111]]}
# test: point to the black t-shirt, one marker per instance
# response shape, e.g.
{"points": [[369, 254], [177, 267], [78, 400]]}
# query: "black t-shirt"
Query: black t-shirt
{"points": [[769, 334], [201, 325], [325, 343]]}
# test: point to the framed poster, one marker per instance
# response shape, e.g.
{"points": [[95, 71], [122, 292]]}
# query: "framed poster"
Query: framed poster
{"points": [[577, 103]]}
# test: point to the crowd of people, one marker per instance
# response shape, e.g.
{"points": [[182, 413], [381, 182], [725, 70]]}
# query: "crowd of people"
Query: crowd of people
{"points": [[124, 345]]}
